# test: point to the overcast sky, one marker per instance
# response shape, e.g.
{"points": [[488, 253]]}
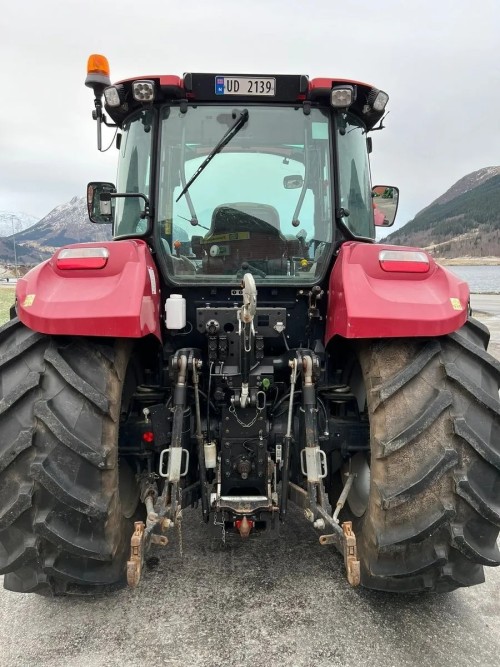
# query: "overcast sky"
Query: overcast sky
{"points": [[438, 60]]}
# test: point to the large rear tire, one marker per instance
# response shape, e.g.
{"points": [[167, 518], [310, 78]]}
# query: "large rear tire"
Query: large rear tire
{"points": [[433, 512], [63, 526]]}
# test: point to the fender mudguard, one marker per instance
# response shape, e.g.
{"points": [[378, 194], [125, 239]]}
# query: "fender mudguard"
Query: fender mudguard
{"points": [[122, 299], [366, 301]]}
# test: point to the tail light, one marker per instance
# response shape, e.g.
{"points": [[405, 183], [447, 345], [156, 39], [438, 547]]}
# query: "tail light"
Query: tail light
{"points": [[82, 258], [407, 261]]}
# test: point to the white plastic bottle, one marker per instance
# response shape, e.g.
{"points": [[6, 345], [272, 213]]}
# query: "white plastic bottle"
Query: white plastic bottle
{"points": [[175, 312]]}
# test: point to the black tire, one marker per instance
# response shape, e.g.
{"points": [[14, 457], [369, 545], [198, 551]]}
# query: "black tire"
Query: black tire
{"points": [[433, 512], [65, 520]]}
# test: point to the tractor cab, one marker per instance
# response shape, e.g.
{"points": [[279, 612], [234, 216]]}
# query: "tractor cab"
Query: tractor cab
{"points": [[242, 174]]}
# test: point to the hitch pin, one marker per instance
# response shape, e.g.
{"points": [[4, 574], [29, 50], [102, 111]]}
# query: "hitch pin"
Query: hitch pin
{"points": [[343, 496]]}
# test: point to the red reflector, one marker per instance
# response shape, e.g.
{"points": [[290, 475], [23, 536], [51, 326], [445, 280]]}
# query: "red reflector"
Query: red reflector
{"points": [[406, 261], [82, 258], [408, 267], [148, 436], [82, 263]]}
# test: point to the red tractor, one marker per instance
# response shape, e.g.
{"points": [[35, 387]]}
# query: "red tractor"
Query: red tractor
{"points": [[241, 344]]}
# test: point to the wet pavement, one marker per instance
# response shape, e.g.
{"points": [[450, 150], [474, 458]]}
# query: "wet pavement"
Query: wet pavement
{"points": [[259, 605], [283, 602]]}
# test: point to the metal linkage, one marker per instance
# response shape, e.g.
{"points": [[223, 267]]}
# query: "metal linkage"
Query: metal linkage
{"points": [[134, 564], [170, 502], [140, 542], [285, 471], [247, 336], [196, 366], [343, 496], [351, 554], [314, 468], [165, 512], [347, 544]]}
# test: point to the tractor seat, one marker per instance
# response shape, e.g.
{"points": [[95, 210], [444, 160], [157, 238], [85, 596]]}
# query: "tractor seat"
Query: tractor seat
{"points": [[245, 217]]}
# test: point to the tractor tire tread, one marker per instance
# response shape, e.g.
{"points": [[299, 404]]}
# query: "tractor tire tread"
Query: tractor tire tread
{"points": [[62, 530], [433, 515]]}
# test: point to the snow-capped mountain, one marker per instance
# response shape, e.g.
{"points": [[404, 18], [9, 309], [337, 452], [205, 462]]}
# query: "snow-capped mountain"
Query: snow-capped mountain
{"points": [[15, 222], [65, 224]]}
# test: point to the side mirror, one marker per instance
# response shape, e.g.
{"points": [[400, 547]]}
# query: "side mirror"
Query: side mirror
{"points": [[385, 204], [100, 204]]}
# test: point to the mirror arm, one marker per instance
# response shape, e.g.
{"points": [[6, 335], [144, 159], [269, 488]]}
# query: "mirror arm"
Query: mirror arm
{"points": [[128, 195]]}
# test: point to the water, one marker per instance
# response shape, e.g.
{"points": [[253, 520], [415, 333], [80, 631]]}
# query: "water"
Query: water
{"points": [[481, 279]]}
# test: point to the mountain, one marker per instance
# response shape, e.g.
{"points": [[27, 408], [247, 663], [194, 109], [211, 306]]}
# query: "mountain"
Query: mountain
{"points": [[66, 224], [11, 223], [463, 222]]}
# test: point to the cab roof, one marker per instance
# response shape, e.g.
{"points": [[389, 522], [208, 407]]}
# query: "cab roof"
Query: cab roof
{"points": [[287, 89]]}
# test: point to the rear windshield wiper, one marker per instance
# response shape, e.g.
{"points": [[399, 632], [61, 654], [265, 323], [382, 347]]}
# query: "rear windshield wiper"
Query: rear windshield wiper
{"points": [[233, 130]]}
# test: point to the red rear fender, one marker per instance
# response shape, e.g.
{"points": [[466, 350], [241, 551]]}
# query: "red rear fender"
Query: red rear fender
{"points": [[122, 299], [365, 301]]}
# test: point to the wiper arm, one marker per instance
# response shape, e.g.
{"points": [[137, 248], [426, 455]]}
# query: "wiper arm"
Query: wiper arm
{"points": [[233, 131]]}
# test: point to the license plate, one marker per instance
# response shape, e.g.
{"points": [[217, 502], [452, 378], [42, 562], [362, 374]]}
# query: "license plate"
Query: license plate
{"points": [[230, 85]]}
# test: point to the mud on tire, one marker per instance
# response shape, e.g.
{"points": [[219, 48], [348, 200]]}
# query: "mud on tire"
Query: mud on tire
{"points": [[433, 512], [62, 523]]}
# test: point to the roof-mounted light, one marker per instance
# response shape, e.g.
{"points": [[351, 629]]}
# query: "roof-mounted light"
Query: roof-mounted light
{"points": [[97, 73], [342, 97], [82, 258], [407, 261], [114, 96], [143, 91], [380, 102]]}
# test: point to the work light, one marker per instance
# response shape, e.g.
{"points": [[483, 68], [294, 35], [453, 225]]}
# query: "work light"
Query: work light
{"points": [[380, 101], [143, 91], [342, 97], [114, 96]]}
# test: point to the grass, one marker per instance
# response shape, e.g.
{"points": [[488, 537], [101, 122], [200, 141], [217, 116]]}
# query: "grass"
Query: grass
{"points": [[7, 296]]}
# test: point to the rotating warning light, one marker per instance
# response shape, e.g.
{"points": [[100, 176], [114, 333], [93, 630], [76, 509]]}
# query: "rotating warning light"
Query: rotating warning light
{"points": [[143, 91], [97, 72], [342, 97]]}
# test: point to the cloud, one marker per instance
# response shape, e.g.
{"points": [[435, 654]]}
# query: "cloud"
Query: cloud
{"points": [[437, 61]]}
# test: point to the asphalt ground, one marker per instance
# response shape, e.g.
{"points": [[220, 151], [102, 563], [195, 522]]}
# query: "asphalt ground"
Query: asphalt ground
{"points": [[284, 602]]}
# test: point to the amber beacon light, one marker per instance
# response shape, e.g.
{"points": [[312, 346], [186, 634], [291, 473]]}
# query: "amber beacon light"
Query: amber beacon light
{"points": [[98, 79], [97, 73]]}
